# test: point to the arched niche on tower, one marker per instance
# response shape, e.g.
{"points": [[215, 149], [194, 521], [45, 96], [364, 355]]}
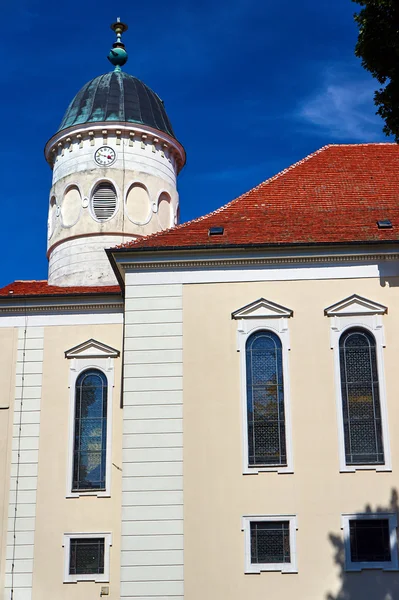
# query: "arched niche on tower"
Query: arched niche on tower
{"points": [[165, 211], [52, 217], [138, 205], [71, 206]]}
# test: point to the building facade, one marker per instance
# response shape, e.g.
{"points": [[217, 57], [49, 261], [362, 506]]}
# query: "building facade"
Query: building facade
{"points": [[205, 409]]}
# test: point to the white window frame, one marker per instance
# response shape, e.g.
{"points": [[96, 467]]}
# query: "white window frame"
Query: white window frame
{"points": [[356, 311], [291, 567], [392, 565], [90, 355], [264, 315], [97, 577]]}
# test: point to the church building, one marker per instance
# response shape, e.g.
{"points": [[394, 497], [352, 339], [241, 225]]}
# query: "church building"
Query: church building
{"points": [[203, 410]]}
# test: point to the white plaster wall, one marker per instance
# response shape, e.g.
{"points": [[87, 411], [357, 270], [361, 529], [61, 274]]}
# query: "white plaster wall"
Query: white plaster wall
{"points": [[152, 488], [24, 463], [133, 153], [83, 261], [143, 160]]}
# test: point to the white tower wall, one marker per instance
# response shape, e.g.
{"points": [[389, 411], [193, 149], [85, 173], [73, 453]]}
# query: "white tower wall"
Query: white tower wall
{"points": [[143, 177]]}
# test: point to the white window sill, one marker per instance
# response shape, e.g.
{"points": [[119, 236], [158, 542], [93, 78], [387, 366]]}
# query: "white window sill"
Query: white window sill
{"points": [[377, 468], [356, 567], [97, 578], [102, 494], [276, 469], [279, 567]]}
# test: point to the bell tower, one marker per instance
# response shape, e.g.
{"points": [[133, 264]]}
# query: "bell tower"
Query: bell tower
{"points": [[115, 162]]}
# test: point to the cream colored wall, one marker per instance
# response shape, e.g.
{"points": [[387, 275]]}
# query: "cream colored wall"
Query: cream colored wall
{"points": [[56, 514], [217, 494], [8, 342]]}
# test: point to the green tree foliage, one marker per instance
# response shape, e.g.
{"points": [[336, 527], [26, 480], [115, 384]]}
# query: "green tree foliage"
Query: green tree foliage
{"points": [[378, 47]]}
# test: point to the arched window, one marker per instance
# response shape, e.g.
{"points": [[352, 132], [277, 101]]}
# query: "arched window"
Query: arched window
{"points": [[103, 201], [360, 398], [265, 400], [90, 431]]}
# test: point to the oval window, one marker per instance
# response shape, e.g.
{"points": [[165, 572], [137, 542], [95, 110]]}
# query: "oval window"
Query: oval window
{"points": [[103, 201]]}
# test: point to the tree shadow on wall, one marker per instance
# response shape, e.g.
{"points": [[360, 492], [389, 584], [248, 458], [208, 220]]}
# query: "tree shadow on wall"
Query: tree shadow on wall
{"points": [[367, 584]]}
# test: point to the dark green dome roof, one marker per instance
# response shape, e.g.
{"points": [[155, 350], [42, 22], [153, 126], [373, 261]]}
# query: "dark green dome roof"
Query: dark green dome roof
{"points": [[117, 96]]}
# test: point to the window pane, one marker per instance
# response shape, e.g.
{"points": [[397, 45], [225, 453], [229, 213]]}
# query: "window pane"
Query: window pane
{"points": [[90, 431], [360, 398], [86, 556], [270, 542], [265, 400], [369, 540]]}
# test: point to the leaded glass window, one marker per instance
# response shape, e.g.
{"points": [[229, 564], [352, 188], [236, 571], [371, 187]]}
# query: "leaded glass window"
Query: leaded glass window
{"points": [[270, 542], [265, 400], [90, 431], [360, 398], [369, 540], [86, 556]]}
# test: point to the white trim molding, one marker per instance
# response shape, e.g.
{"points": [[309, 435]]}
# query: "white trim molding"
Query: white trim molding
{"points": [[263, 315], [98, 577], [354, 306], [391, 565], [262, 309], [250, 567], [23, 479], [90, 355], [356, 311], [92, 349]]}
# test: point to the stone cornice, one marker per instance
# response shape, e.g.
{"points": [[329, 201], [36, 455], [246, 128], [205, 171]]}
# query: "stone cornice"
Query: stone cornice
{"points": [[245, 262], [87, 131], [29, 306]]}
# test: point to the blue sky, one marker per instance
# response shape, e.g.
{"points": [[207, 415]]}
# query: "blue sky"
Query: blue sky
{"points": [[250, 86]]}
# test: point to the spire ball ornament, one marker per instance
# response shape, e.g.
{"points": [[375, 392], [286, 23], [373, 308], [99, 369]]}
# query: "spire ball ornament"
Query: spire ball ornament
{"points": [[118, 55]]}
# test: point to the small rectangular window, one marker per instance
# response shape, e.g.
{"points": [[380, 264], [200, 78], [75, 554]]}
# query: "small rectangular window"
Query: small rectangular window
{"points": [[86, 556], [370, 541], [215, 230], [270, 544]]}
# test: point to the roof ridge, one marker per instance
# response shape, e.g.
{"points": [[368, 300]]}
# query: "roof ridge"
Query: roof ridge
{"points": [[364, 144], [228, 204], [29, 281]]}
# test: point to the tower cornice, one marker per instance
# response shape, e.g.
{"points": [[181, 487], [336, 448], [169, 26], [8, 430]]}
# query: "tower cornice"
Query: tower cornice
{"points": [[78, 135]]}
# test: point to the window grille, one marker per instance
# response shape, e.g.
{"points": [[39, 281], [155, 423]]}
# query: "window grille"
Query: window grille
{"points": [[369, 540], [270, 542], [86, 556], [104, 201], [90, 431], [360, 398], [265, 400]]}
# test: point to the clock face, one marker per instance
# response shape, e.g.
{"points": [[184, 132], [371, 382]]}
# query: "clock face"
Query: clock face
{"points": [[105, 156]]}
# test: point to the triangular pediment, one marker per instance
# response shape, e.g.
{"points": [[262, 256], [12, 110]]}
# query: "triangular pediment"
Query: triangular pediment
{"points": [[355, 305], [92, 349], [262, 309]]}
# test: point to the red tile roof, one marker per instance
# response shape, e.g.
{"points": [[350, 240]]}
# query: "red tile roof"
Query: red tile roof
{"points": [[41, 288], [335, 195]]}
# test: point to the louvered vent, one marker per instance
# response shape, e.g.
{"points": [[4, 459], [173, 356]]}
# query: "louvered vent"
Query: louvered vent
{"points": [[104, 201]]}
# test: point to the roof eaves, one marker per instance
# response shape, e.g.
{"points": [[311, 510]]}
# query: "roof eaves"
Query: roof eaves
{"points": [[137, 249]]}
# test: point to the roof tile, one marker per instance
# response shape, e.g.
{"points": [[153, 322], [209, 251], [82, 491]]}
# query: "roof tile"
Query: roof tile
{"points": [[335, 195], [41, 288]]}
